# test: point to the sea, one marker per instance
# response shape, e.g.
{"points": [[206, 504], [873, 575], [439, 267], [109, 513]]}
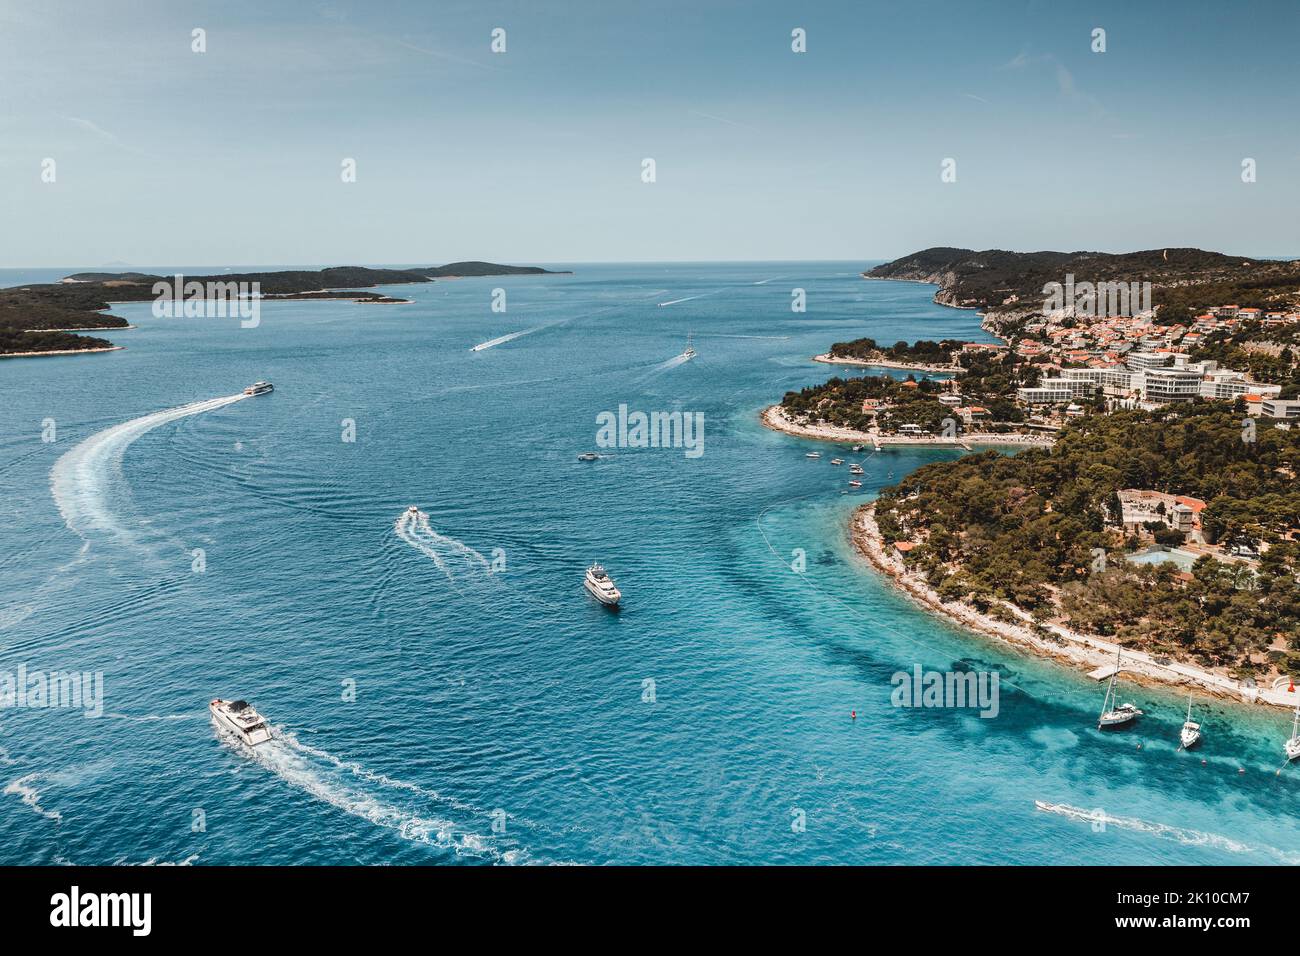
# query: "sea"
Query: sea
{"points": [[442, 688]]}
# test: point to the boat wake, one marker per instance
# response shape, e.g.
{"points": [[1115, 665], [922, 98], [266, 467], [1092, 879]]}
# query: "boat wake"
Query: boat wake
{"points": [[349, 787], [1163, 830], [86, 480], [458, 561]]}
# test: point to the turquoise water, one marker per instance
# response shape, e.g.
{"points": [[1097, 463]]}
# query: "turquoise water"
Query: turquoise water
{"points": [[480, 690]]}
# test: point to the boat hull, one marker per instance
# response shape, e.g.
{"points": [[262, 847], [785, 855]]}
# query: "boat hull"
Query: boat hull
{"points": [[609, 600]]}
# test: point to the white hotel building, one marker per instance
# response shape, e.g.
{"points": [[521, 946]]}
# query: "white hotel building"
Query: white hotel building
{"points": [[1155, 377]]}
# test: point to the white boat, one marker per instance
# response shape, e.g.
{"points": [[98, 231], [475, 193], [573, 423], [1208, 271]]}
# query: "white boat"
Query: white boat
{"points": [[588, 456], [855, 469], [690, 352], [1113, 714], [855, 483], [601, 586], [1292, 746], [259, 388], [239, 717], [837, 461], [413, 511], [1190, 735], [857, 448], [813, 454]]}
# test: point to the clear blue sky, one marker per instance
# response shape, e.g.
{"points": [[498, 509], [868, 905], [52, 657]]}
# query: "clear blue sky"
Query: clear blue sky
{"points": [[233, 156]]}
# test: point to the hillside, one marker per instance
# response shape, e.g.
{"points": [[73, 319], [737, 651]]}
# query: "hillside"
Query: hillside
{"points": [[1009, 285]]}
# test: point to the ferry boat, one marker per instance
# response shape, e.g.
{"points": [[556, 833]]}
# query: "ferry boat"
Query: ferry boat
{"points": [[259, 388], [601, 586], [239, 717], [1113, 714]]}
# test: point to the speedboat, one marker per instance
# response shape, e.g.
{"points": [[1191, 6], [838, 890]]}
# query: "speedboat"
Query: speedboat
{"points": [[259, 388], [813, 454], [601, 586], [239, 717], [412, 511], [855, 483], [1190, 735], [837, 461], [1113, 714], [588, 456], [857, 448], [855, 469]]}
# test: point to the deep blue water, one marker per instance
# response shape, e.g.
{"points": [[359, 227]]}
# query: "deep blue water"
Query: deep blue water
{"points": [[478, 691]]}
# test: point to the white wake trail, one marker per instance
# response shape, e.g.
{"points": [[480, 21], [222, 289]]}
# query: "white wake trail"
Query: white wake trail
{"points": [[337, 783], [455, 559], [86, 480], [1163, 830]]}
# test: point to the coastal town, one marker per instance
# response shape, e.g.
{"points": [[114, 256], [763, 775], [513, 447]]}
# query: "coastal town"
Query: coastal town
{"points": [[1167, 527]]}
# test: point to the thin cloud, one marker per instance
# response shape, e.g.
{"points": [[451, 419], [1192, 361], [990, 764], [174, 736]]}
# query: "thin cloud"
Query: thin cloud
{"points": [[721, 119]]}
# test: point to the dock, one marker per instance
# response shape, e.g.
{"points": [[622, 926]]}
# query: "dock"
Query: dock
{"points": [[1104, 673]]}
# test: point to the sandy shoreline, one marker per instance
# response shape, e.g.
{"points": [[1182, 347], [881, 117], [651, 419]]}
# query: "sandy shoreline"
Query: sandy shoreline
{"points": [[774, 417], [829, 359], [1081, 651], [14, 355]]}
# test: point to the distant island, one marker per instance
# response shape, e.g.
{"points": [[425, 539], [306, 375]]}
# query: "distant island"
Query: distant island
{"points": [[44, 319], [1163, 516]]}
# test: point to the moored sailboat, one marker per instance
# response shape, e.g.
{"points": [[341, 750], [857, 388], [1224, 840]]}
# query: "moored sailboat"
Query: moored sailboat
{"points": [[1112, 713]]}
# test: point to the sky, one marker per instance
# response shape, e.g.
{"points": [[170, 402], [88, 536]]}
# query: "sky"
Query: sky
{"points": [[235, 155]]}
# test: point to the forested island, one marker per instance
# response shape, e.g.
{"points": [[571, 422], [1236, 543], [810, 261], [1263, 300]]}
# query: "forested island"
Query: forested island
{"points": [[43, 318]]}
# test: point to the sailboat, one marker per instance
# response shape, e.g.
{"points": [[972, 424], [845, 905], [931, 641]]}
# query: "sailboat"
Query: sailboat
{"points": [[1190, 735], [690, 352], [1292, 746], [1113, 714]]}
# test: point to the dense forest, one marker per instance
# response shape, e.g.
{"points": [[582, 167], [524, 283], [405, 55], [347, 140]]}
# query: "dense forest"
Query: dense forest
{"points": [[1024, 529], [989, 381], [922, 352]]}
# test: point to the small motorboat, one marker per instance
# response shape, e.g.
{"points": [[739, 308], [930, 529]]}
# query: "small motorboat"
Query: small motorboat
{"points": [[588, 456], [239, 717], [857, 448], [813, 454], [413, 511], [259, 388], [837, 461], [855, 469], [855, 483]]}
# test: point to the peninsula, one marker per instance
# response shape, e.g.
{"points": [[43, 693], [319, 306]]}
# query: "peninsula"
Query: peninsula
{"points": [[1163, 515]]}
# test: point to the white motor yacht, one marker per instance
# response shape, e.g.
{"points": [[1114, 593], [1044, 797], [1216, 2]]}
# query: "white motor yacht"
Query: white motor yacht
{"points": [[259, 388], [239, 717], [601, 586]]}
